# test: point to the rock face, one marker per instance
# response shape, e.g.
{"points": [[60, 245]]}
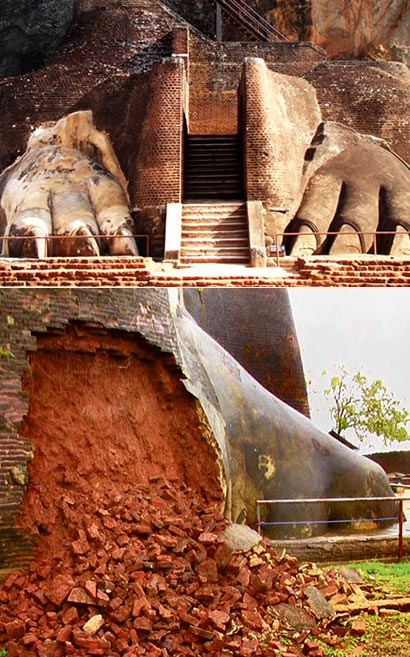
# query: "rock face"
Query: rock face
{"points": [[344, 28], [353, 29], [29, 31]]}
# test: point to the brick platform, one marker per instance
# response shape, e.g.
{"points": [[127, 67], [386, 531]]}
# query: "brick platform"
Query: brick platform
{"points": [[124, 271]]}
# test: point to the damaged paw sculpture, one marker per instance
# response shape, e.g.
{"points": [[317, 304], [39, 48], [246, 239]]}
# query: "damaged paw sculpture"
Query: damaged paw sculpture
{"points": [[66, 196]]}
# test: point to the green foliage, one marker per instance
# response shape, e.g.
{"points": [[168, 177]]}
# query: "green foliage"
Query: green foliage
{"points": [[5, 352], [365, 406], [4, 652]]}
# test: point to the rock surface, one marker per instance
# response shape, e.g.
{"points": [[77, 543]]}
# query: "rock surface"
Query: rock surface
{"points": [[29, 32], [345, 28], [355, 28]]}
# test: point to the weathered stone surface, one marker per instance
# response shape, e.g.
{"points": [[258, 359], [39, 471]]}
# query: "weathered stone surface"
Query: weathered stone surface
{"points": [[346, 196], [294, 617], [318, 603], [346, 28], [351, 29], [351, 575], [240, 537]]}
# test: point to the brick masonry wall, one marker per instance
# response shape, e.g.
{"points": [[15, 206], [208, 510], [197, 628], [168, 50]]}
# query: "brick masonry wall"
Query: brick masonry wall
{"points": [[131, 272], [25, 313], [215, 72], [107, 43], [109, 64], [157, 175]]}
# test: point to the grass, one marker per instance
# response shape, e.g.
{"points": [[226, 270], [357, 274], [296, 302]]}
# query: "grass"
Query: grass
{"points": [[394, 577], [385, 636]]}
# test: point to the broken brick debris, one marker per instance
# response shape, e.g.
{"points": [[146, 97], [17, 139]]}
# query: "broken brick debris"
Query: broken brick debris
{"points": [[147, 573]]}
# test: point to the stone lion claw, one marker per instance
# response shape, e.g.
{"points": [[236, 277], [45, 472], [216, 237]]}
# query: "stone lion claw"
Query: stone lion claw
{"points": [[66, 196]]}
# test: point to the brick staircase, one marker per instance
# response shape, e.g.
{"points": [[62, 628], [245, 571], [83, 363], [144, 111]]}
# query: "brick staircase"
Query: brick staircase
{"points": [[213, 168], [214, 233]]}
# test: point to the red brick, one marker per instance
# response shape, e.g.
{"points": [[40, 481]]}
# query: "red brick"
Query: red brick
{"points": [[15, 629]]}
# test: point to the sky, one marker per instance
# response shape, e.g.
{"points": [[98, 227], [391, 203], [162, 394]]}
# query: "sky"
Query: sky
{"points": [[364, 329]]}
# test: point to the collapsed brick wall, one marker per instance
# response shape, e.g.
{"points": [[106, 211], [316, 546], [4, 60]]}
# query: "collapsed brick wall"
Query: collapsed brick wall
{"points": [[106, 408], [25, 314]]}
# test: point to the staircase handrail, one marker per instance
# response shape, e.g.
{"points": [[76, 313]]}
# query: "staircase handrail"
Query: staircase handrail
{"points": [[240, 11]]}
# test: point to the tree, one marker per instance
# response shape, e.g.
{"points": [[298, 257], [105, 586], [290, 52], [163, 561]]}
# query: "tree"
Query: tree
{"points": [[366, 407]]}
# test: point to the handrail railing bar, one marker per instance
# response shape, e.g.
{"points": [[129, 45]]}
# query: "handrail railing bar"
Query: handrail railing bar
{"points": [[334, 499], [262, 25], [250, 24], [258, 17], [266, 523], [396, 499]]}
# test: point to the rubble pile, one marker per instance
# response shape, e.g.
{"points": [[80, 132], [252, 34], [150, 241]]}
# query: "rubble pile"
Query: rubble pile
{"points": [[147, 571]]}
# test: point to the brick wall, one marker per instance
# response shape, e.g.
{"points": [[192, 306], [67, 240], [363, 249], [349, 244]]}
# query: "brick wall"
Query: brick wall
{"points": [[215, 72], [157, 177], [111, 64], [107, 44]]}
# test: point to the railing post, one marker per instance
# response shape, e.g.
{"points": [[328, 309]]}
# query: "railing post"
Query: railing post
{"points": [[258, 518], [401, 520], [218, 22]]}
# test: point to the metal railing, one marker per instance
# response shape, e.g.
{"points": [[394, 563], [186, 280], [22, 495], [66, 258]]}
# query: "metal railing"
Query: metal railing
{"points": [[278, 249], [250, 20], [138, 237], [399, 518]]}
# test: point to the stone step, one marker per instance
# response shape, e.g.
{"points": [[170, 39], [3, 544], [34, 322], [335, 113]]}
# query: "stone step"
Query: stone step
{"points": [[216, 207], [217, 139], [222, 242], [212, 177], [206, 235], [214, 258], [213, 167]]}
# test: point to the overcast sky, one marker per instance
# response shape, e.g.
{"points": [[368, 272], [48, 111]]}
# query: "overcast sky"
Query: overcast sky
{"points": [[366, 329]]}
